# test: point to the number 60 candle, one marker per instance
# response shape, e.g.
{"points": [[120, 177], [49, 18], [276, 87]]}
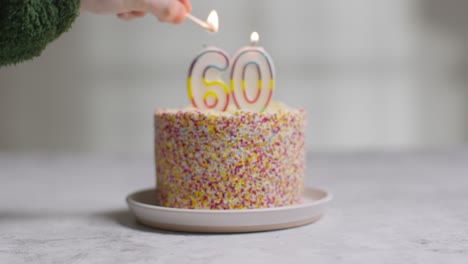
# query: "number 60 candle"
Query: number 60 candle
{"points": [[252, 77]]}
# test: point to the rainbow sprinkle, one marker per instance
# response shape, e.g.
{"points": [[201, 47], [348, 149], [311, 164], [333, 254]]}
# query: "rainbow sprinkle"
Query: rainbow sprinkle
{"points": [[230, 160]]}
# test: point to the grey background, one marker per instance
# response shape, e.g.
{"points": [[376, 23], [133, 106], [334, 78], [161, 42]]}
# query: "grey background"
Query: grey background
{"points": [[372, 74]]}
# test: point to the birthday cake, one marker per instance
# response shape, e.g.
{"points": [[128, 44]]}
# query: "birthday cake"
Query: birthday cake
{"points": [[230, 160], [218, 155]]}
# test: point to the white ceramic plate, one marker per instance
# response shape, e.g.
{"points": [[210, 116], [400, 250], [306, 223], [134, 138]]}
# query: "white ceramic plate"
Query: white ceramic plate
{"points": [[311, 209]]}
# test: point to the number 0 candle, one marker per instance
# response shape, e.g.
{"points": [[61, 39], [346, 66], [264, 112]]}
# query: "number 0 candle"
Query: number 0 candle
{"points": [[252, 77]]}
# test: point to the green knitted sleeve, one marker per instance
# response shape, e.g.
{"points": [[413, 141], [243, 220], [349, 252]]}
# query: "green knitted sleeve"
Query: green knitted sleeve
{"points": [[27, 26]]}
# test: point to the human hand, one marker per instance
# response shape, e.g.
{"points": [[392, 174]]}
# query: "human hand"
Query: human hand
{"points": [[171, 11]]}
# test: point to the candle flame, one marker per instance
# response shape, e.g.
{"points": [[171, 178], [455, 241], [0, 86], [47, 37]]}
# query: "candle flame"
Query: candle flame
{"points": [[254, 37], [213, 21]]}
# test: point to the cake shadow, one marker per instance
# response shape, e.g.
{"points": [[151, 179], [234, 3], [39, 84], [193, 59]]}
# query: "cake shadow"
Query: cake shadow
{"points": [[124, 218]]}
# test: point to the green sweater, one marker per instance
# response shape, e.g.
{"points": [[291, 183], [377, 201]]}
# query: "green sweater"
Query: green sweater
{"points": [[27, 26]]}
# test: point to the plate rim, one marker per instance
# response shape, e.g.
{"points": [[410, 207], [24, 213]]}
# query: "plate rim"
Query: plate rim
{"points": [[328, 196], [229, 229]]}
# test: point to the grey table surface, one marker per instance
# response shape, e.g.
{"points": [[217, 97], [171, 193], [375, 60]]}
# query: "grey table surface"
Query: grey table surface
{"points": [[400, 207]]}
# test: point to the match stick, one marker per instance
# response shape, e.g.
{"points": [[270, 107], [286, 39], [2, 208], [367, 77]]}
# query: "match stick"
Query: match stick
{"points": [[202, 23]]}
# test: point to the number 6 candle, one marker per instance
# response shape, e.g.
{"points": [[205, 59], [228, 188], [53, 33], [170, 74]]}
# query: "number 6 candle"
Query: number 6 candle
{"points": [[205, 88], [252, 77]]}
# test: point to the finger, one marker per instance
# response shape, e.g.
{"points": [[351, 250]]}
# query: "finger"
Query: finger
{"points": [[131, 15], [177, 13], [126, 16], [171, 11], [138, 13], [187, 4]]}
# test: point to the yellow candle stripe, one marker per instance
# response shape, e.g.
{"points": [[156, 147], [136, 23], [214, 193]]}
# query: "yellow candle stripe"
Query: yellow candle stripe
{"points": [[189, 85], [210, 93]]}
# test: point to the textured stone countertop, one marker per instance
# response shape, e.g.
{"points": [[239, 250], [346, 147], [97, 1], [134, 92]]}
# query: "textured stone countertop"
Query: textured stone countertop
{"points": [[408, 207]]}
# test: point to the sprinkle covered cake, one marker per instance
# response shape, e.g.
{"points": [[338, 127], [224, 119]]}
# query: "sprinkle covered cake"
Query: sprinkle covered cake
{"points": [[234, 159]]}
